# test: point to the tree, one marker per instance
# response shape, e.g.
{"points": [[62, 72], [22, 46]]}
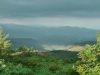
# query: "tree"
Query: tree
{"points": [[23, 49], [4, 43], [89, 64]]}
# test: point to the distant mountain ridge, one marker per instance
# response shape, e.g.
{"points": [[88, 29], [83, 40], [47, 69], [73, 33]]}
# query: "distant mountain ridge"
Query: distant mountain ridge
{"points": [[17, 42], [65, 35]]}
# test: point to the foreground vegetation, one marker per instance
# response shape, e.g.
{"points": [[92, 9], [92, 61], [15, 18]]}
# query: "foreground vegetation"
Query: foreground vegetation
{"points": [[24, 61]]}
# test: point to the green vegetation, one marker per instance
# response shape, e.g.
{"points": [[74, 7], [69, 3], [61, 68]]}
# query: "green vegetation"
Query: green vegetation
{"points": [[90, 59], [4, 44], [26, 61]]}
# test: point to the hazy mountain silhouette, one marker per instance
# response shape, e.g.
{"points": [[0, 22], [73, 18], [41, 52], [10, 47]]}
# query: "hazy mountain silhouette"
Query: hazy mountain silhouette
{"points": [[49, 35], [26, 42]]}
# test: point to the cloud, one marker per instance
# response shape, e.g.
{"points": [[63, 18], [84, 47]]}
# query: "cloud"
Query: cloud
{"points": [[41, 8], [82, 13], [93, 23]]}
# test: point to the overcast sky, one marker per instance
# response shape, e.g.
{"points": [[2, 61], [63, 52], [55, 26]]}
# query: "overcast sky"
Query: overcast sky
{"points": [[82, 13]]}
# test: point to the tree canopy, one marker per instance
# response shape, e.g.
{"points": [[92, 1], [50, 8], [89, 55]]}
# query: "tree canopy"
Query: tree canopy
{"points": [[4, 43]]}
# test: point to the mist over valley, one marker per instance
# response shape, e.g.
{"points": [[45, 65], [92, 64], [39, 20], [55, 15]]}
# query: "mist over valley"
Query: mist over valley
{"points": [[49, 38]]}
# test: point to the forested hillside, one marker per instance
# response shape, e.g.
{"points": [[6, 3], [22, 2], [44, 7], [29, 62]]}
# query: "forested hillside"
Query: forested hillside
{"points": [[27, 61]]}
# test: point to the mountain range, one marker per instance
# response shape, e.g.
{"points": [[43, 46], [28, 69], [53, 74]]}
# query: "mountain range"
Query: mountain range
{"points": [[40, 37]]}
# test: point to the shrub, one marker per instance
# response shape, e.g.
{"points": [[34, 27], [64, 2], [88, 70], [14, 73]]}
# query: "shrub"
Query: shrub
{"points": [[2, 65], [54, 68], [71, 72], [12, 69], [51, 59], [23, 48], [4, 43], [67, 60], [89, 63]]}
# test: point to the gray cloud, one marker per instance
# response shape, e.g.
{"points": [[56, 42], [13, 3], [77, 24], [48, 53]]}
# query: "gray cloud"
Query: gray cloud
{"points": [[38, 8]]}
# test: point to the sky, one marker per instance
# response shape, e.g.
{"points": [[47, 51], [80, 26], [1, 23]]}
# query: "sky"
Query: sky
{"points": [[81, 13]]}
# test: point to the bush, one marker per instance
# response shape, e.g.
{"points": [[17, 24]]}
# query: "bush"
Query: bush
{"points": [[2, 65], [11, 69], [54, 68], [23, 48], [71, 72], [51, 59], [89, 63], [67, 60], [4, 43]]}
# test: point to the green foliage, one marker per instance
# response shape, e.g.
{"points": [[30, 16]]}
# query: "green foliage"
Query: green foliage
{"points": [[25, 62], [89, 63], [70, 71], [51, 59], [11, 69], [23, 48], [67, 60], [54, 68], [4, 43], [2, 65], [42, 65], [25, 51]]}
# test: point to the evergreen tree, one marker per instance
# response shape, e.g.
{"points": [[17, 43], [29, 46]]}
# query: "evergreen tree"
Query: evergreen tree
{"points": [[4, 43]]}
